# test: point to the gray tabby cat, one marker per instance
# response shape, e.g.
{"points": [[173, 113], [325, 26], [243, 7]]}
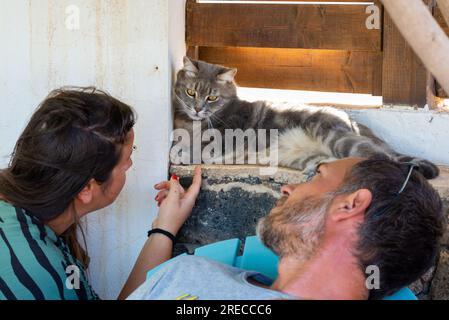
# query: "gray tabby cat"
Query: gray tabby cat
{"points": [[307, 136]]}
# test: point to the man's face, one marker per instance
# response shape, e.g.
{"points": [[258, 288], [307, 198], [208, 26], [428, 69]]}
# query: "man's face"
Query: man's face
{"points": [[296, 225], [328, 178]]}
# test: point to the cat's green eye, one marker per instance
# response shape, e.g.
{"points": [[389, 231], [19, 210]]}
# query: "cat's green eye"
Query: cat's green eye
{"points": [[191, 93], [212, 98]]}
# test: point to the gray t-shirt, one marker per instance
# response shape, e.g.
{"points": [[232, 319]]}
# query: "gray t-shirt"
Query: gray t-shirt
{"points": [[193, 278]]}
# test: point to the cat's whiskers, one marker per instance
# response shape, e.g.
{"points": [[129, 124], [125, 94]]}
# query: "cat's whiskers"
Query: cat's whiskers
{"points": [[215, 117], [209, 123], [183, 103]]}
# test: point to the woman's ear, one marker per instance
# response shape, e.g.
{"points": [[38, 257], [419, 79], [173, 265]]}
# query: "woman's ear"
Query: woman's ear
{"points": [[86, 195], [351, 205]]}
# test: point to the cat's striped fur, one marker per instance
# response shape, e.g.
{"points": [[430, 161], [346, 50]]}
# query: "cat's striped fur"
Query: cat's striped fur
{"points": [[308, 135]]}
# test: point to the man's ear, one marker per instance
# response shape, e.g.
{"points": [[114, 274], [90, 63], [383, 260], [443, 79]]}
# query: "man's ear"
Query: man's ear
{"points": [[86, 195], [190, 68], [227, 75], [351, 205]]}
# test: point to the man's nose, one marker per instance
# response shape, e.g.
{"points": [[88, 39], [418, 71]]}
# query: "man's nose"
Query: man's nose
{"points": [[288, 189]]}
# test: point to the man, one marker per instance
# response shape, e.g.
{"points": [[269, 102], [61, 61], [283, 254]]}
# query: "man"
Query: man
{"points": [[353, 214]]}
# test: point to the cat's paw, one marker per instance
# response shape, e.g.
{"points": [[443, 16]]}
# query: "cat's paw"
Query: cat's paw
{"points": [[428, 169]]}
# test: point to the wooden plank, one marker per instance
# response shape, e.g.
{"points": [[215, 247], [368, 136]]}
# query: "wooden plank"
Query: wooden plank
{"points": [[193, 53], [377, 66], [403, 76], [299, 69], [439, 17], [338, 27]]}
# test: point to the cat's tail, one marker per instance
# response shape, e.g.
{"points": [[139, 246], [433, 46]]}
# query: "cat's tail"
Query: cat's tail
{"points": [[428, 169]]}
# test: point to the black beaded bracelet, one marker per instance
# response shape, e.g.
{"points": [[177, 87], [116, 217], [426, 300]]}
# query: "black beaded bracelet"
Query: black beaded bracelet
{"points": [[165, 233]]}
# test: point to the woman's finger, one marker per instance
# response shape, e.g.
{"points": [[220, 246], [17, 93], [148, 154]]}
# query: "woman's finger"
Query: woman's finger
{"points": [[175, 191], [194, 190], [164, 185], [161, 195]]}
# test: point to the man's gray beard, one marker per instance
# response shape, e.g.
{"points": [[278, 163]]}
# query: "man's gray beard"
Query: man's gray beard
{"points": [[295, 230]]}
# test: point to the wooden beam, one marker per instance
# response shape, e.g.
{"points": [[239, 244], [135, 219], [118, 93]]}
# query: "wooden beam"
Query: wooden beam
{"points": [[338, 27], [299, 69], [424, 35]]}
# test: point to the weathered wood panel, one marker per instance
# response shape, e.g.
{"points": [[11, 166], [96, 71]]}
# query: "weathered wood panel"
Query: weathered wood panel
{"points": [[404, 76], [339, 27], [439, 17], [299, 69]]}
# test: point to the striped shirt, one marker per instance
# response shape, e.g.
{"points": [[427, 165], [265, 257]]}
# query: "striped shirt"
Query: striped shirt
{"points": [[36, 264]]}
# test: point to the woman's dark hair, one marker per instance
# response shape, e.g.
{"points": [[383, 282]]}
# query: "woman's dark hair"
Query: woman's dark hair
{"points": [[74, 136], [401, 231]]}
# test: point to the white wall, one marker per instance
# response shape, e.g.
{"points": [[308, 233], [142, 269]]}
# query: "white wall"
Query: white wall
{"points": [[122, 47], [177, 30], [422, 134]]}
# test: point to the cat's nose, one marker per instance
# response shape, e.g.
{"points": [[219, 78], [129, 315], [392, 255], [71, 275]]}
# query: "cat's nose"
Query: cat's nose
{"points": [[197, 109]]}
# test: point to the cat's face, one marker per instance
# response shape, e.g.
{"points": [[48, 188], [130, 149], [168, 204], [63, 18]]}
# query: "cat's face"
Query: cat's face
{"points": [[203, 89]]}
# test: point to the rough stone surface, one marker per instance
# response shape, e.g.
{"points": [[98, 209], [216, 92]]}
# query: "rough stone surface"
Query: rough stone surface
{"points": [[421, 287], [440, 284], [233, 198], [445, 240], [234, 214], [417, 287]]}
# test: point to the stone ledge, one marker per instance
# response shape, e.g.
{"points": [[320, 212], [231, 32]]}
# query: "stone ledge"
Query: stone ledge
{"points": [[283, 176]]}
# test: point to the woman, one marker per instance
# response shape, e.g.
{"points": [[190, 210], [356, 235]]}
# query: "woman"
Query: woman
{"points": [[72, 160]]}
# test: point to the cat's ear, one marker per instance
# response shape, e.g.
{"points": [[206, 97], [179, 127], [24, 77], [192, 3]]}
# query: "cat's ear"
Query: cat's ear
{"points": [[227, 75], [190, 68]]}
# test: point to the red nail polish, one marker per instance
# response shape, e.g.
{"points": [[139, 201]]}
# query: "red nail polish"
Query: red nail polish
{"points": [[174, 177]]}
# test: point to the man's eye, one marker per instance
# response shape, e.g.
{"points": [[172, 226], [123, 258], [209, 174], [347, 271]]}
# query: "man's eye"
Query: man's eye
{"points": [[314, 173], [191, 93], [310, 176], [212, 98]]}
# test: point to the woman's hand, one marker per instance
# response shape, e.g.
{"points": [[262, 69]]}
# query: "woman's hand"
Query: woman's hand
{"points": [[175, 207], [176, 204]]}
